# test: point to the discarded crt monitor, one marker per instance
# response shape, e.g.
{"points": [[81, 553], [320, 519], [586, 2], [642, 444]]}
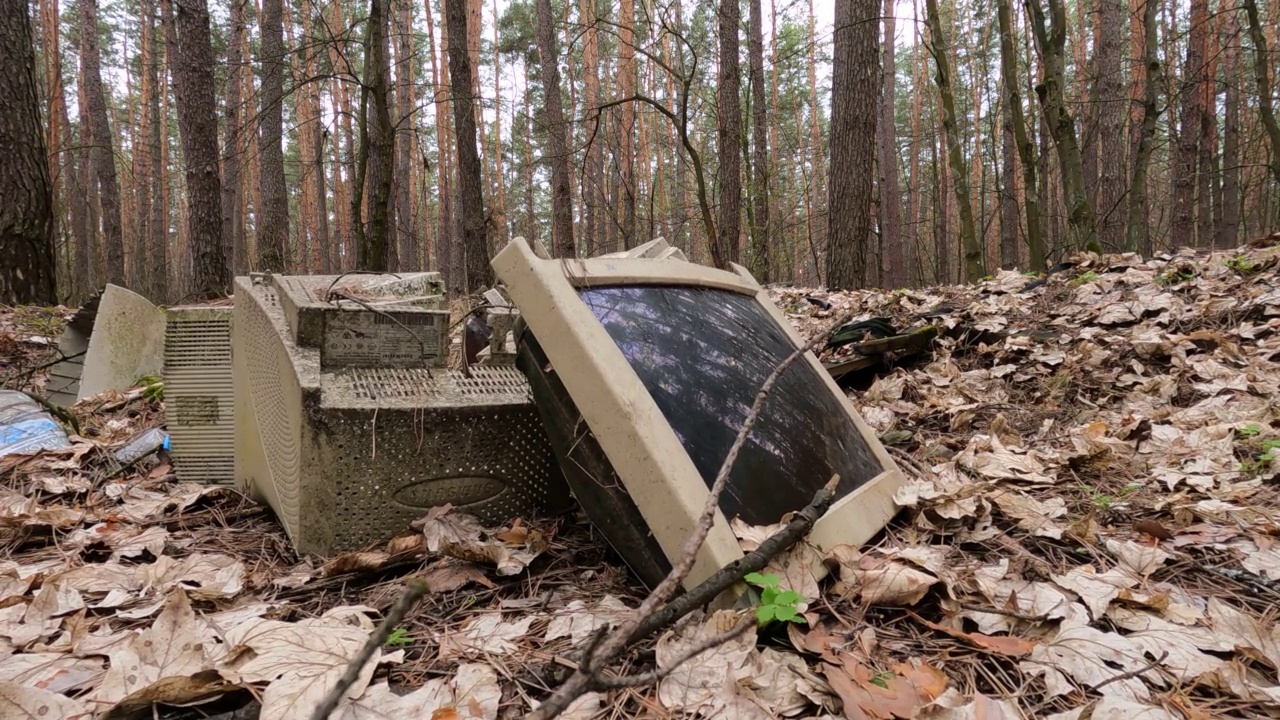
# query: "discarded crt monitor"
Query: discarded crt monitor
{"points": [[350, 426], [644, 368]]}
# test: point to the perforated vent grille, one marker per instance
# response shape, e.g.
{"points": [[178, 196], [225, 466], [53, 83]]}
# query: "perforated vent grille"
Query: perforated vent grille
{"points": [[276, 401], [384, 444], [387, 471], [427, 388], [199, 395]]}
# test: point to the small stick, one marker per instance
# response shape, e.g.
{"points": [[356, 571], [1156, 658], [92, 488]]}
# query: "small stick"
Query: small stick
{"points": [[417, 588], [1131, 673]]}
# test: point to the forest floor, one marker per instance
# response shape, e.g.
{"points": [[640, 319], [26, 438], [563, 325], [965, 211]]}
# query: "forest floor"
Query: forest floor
{"points": [[1090, 528]]}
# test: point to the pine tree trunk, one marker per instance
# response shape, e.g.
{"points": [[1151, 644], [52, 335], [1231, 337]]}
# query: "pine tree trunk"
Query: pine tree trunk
{"points": [[198, 126], [28, 273], [273, 216], [1229, 225], [1052, 41], [1186, 152], [724, 248], [955, 154], [594, 161], [627, 131], [406, 101], [1262, 76], [233, 146], [1111, 116], [378, 139], [444, 164], [1137, 236], [762, 260], [556, 132], [890, 196], [471, 220], [100, 138], [1018, 126]]}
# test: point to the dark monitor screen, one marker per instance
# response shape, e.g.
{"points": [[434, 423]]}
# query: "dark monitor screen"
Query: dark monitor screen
{"points": [[703, 355]]}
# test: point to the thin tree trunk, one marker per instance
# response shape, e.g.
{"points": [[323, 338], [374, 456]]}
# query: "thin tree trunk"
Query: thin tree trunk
{"points": [[1187, 149], [886, 133], [1229, 223], [626, 89], [968, 238], [28, 273], [198, 126], [374, 252], [233, 146], [1052, 43], [101, 139], [557, 135], [406, 101], [1136, 229], [762, 260], [1018, 126], [444, 165], [273, 217], [593, 176], [1111, 115], [1262, 75], [724, 248], [472, 225]]}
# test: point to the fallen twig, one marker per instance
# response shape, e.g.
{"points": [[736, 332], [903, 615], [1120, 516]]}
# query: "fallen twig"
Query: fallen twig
{"points": [[588, 673], [417, 588], [1131, 673]]}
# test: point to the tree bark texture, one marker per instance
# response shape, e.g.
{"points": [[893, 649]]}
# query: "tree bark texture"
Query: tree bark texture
{"points": [[1229, 225], [855, 85], [198, 126], [406, 100], [374, 253], [724, 248], [762, 260], [233, 146], [1186, 151], [1111, 115], [471, 219], [273, 216], [1136, 225], [100, 139], [1052, 41], [27, 274], [894, 264], [557, 151], [973, 267], [1263, 77]]}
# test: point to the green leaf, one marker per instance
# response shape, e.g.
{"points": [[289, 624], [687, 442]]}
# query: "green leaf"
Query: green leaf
{"points": [[785, 613], [769, 596], [789, 597], [765, 613], [756, 579]]}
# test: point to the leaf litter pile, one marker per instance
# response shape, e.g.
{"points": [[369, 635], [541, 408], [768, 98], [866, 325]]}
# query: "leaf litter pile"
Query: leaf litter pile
{"points": [[1089, 529]]}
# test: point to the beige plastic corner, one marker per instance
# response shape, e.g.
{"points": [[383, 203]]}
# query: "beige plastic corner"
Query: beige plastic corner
{"points": [[644, 451], [127, 343]]}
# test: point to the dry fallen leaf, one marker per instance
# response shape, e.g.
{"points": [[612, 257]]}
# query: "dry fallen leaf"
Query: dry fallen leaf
{"points": [[901, 692], [486, 634], [19, 702], [471, 694], [171, 647], [577, 621], [1001, 644], [707, 682]]}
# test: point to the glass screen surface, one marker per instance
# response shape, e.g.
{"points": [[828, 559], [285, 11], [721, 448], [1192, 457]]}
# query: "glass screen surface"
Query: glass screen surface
{"points": [[703, 355]]}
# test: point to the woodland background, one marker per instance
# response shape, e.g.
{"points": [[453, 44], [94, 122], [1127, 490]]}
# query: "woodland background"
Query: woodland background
{"points": [[890, 144]]}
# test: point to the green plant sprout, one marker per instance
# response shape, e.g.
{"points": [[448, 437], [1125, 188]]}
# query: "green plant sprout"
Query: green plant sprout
{"points": [[399, 638], [1086, 278], [1242, 265], [1173, 277], [775, 603], [1248, 431]]}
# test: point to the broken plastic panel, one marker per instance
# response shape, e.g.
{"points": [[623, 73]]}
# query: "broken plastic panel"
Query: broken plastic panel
{"points": [[644, 367]]}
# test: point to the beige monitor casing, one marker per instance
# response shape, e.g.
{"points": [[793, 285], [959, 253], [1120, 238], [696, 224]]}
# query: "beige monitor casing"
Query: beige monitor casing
{"points": [[630, 428]]}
